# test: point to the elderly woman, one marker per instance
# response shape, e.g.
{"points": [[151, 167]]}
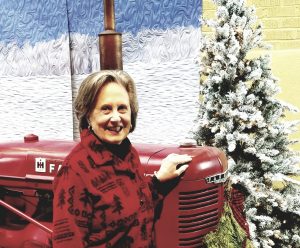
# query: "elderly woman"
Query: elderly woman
{"points": [[101, 196]]}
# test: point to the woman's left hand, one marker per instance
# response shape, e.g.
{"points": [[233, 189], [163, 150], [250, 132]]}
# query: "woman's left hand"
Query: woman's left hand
{"points": [[168, 169]]}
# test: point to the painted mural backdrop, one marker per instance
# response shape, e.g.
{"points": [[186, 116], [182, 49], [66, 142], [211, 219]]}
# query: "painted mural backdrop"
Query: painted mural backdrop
{"points": [[48, 47]]}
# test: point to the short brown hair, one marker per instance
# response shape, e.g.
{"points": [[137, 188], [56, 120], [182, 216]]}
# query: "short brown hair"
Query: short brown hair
{"points": [[91, 86]]}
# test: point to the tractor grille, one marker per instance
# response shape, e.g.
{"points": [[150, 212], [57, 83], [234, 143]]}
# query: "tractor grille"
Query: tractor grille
{"points": [[198, 213]]}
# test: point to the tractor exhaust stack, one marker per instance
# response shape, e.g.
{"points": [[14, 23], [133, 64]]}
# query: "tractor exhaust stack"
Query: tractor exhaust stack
{"points": [[110, 41]]}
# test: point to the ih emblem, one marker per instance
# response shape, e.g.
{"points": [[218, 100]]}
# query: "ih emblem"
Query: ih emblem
{"points": [[40, 164]]}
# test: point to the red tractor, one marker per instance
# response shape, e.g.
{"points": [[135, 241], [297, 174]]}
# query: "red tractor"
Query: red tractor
{"points": [[190, 210]]}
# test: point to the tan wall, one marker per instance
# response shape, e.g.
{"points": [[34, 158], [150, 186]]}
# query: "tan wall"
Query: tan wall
{"points": [[281, 28]]}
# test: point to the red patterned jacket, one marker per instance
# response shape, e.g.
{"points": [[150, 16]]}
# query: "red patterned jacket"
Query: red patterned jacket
{"points": [[102, 199]]}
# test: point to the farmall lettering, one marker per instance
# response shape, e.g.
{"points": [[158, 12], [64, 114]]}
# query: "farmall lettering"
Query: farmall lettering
{"points": [[41, 166]]}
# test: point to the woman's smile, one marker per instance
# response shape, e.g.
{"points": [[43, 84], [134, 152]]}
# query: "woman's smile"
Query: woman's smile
{"points": [[114, 129]]}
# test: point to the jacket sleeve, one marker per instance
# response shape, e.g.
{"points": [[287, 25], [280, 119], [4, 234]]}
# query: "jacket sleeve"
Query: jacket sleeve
{"points": [[72, 210], [156, 187], [159, 189]]}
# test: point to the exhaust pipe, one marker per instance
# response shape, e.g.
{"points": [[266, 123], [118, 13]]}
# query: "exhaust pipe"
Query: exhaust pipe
{"points": [[110, 41]]}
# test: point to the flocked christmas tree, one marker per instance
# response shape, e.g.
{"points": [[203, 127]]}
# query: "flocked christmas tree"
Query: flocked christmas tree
{"points": [[240, 114]]}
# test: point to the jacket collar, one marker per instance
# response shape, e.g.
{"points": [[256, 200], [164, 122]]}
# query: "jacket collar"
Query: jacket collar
{"points": [[103, 154]]}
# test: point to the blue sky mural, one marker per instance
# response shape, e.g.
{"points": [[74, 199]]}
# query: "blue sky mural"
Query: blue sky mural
{"points": [[32, 21], [47, 47], [43, 20], [132, 16]]}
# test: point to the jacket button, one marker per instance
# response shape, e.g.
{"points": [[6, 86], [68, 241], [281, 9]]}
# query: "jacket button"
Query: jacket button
{"points": [[141, 202]]}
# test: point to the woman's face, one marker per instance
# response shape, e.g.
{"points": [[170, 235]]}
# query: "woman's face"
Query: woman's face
{"points": [[111, 117]]}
